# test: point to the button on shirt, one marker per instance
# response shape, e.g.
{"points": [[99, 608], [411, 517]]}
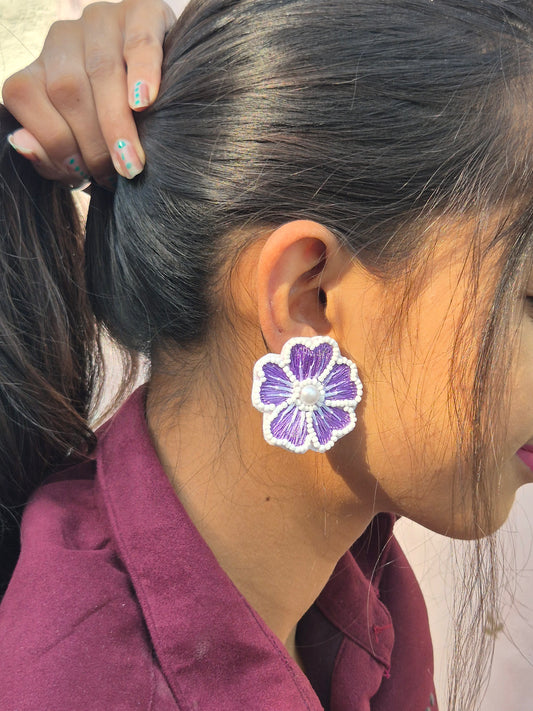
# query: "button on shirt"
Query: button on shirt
{"points": [[117, 603]]}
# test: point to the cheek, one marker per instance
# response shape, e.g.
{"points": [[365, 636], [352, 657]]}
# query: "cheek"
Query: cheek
{"points": [[414, 416], [411, 441], [409, 416], [410, 421], [414, 431]]}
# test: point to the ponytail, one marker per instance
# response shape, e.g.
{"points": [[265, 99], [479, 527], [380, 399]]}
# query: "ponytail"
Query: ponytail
{"points": [[49, 352]]}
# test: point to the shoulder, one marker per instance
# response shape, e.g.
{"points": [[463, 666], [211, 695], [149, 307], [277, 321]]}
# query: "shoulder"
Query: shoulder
{"points": [[69, 620]]}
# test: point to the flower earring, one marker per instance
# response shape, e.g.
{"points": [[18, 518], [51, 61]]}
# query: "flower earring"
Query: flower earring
{"points": [[307, 394]]}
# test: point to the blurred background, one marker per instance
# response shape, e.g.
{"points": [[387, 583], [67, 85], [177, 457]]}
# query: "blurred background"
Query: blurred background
{"points": [[23, 26]]}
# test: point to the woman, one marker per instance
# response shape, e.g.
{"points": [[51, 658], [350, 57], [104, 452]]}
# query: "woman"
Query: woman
{"points": [[335, 199]]}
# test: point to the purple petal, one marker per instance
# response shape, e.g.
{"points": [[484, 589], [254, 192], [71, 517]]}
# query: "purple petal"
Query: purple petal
{"points": [[327, 419], [338, 386], [277, 387], [310, 362], [290, 425]]}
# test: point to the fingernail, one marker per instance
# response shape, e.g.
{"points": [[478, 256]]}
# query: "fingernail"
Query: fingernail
{"points": [[141, 95], [25, 144], [126, 160], [77, 168]]}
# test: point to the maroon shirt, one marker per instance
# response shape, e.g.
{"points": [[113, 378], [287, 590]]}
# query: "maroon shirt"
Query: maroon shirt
{"points": [[117, 603]]}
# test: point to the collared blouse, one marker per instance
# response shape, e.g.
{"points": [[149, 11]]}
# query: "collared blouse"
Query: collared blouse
{"points": [[118, 604]]}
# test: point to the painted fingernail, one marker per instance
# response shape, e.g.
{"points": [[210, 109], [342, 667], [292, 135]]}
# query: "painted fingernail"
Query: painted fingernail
{"points": [[77, 168], [126, 160], [141, 95], [25, 144]]}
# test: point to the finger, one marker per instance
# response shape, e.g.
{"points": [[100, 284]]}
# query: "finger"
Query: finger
{"points": [[47, 141], [69, 90], [144, 34], [106, 71], [28, 147]]}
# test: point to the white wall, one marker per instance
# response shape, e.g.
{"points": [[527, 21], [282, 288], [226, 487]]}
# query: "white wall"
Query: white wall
{"points": [[511, 684], [23, 25]]}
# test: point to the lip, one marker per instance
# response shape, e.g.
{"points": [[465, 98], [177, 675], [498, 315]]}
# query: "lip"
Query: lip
{"points": [[525, 453]]}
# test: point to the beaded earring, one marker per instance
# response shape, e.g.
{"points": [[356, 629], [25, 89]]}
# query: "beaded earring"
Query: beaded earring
{"points": [[307, 394]]}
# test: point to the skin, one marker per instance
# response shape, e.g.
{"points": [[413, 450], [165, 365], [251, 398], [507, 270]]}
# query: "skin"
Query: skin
{"points": [[298, 514], [520, 417], [76, 98]]}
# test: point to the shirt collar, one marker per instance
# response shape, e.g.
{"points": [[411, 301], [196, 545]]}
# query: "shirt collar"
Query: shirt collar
{"points": [[214, 649], [350, 600]]}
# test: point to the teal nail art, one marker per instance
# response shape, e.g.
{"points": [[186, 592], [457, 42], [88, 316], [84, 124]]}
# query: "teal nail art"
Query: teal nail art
{"points": [[141, 94], [74, 166], [126, 160]]}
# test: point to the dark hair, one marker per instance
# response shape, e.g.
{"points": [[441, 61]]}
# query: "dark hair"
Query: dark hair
{"points": [[46, 332], [369, 116]]}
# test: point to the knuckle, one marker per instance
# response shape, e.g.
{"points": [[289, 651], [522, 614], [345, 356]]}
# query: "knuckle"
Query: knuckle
{"points": [[57, 31], [57, 28], [131, 5], [141, 39], [17, 88], [98, 162], [64, 89], [99, 64], [94, 10]]}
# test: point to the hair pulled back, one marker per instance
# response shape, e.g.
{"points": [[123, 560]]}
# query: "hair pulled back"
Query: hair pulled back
{"points": [[361, 115], [47, 332]]}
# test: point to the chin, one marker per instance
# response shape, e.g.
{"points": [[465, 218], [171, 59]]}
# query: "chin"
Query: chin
{"points": [[460, 525]]}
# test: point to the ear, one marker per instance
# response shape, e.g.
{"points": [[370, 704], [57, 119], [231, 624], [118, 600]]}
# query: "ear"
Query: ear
{"points": [[298, 265]]}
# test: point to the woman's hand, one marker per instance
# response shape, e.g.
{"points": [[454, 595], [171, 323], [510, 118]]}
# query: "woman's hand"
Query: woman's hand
{"points": [[75, 100]]}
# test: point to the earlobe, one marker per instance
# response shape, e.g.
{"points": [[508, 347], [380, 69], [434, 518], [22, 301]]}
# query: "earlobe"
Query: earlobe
{"points": [[293, 277]]}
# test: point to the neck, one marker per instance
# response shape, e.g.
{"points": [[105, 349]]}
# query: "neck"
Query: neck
{"points": [[276, 522]]}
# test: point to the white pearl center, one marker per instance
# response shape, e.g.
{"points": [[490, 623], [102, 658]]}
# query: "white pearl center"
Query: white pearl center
{"points": [[309, 395]]}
